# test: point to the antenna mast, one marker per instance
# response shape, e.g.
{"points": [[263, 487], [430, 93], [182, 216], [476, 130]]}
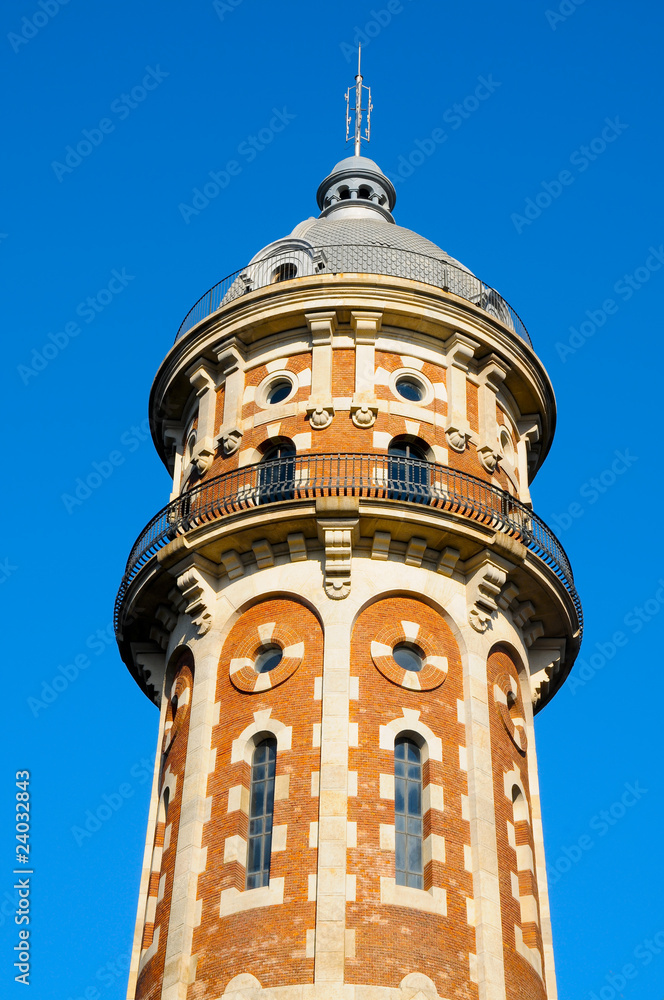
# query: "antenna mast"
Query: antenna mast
{"points": [[358, 135]]}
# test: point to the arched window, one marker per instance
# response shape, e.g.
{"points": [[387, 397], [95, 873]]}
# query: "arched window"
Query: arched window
{"points": [[408, 471], [261, 808], [276, 480], [408, 813]]}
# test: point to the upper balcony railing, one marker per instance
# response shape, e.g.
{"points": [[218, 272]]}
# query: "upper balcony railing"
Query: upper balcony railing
{"points": [[367, 476], [301, 261]]}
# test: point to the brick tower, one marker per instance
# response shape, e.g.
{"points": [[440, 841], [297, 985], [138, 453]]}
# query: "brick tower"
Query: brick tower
{"points": [[348, 614]]}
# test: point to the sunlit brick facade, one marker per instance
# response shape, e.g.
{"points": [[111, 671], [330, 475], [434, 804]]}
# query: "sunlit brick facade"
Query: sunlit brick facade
{"points": [[348, 615]]}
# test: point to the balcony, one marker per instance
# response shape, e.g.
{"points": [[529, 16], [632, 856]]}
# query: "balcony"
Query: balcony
{"points": [[306, 261], [372, 477]]}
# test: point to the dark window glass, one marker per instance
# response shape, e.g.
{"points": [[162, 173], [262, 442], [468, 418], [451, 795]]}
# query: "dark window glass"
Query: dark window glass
{"points": [[268, 658], [276, 478], [408, 472], [261, 808], [279, 390], [410, 389], [408, 813], [409, 656]]}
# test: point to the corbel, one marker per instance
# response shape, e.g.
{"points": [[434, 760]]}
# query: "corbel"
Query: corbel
{"points": [[545, 660], [492, 374], [460, 351], [486, 574], [338, 524], [172, 433], [194, 593], [203, 381], [231, 361], [150, 663], [320, 408], [364, 405]]}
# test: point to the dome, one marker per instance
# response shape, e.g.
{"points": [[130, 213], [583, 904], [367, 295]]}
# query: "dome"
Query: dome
{"points": [[344, 233]]}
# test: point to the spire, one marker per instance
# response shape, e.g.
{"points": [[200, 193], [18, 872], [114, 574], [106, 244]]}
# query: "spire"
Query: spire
{"points": [[358, 109]]}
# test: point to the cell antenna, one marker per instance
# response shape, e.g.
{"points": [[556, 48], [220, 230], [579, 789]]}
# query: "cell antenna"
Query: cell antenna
{"points": [[357, 134]]}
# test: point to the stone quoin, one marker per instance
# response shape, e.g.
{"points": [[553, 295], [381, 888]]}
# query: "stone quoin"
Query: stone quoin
{"points": [[347, 614]]}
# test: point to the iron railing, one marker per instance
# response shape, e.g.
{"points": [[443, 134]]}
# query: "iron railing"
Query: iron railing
{"points": [[368, 476], [302, 260]]}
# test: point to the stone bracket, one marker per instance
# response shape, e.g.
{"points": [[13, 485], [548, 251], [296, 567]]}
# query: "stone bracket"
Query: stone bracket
{"points": [[546, 657], [338, 524], [151, 666], [486, 574], [194, 593]]}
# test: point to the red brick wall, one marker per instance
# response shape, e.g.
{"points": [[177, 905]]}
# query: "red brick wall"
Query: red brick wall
{"points": [[523, 982], [392, 941], [269, 943], [174, 757]]}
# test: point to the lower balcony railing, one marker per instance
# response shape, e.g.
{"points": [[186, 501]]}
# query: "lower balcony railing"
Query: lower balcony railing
{"points": [[369, 476]]}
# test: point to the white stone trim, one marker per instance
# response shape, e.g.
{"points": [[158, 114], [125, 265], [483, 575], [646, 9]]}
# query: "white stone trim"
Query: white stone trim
{"points": [[235, 849], [432, 797], [387, 837], [234, 901], [243, 747], [410, 722], [531, 955], [433, 900]]}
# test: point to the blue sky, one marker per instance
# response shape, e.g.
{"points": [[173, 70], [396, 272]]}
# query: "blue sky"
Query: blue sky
{"points": [[101, 262]]}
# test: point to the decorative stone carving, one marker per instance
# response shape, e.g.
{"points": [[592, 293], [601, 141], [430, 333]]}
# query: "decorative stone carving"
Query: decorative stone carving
{"points": [[337, 533], [488, 457], [203, 460], [231, 440], [486, 574], [363, 415], [320, 417], [457, 437], [194, 593]]}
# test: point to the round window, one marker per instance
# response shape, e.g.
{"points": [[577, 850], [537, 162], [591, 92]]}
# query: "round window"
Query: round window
{"points": [[279, 390], [410, 388], [268, 658], [408, 656]]}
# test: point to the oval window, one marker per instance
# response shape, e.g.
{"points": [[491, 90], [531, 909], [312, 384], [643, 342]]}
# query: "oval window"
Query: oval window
{"points": [[410, 388], [279, 390], [408, 656], [268, 658]]}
